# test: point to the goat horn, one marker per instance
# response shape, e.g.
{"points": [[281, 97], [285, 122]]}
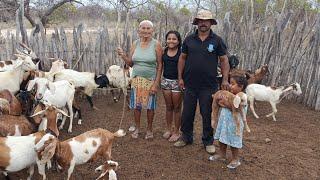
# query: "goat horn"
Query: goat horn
{"points": [[19, 56], [25, 46], [40, 112], [61, 111]]}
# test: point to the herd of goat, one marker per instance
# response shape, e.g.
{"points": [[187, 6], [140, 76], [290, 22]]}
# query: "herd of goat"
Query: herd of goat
{"points": [[31, 102]]}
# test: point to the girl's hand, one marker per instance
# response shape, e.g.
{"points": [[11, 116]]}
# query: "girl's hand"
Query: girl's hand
{"points": [[154, 88], [181, 84]]}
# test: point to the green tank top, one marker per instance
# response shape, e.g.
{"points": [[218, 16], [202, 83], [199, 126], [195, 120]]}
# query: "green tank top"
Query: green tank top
{"points": [[145, 60]]}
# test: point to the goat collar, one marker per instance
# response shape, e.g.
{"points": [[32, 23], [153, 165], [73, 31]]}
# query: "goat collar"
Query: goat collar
{"points": [[51, 132]]}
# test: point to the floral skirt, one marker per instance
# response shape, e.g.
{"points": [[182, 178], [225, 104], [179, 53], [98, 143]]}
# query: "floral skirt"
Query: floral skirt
{"points": [[139, 95]]}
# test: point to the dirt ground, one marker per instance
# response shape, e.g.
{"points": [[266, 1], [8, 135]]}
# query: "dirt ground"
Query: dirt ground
{"points": [[293, 153]]}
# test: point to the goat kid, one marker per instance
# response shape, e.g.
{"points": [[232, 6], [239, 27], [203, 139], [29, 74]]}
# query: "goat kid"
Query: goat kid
{"points": [[88, 146], [109, 167], [270, 94], [233, 102]]}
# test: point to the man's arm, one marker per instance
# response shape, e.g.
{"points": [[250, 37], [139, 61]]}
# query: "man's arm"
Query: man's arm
{"points": [[225, 68]]}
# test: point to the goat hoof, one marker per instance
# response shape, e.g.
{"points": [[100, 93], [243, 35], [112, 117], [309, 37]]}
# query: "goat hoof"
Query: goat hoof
{"points": [[70, 130], [79, 121]]}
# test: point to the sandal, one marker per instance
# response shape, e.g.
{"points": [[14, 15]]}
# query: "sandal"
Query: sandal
{"points": [[166, 135], [233, 164], [174, 138], [132, 128], [149, 135], [135, 134], [217, 157]]}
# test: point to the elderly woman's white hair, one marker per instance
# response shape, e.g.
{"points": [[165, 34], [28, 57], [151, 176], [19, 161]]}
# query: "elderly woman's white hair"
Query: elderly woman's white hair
{"points": [[146, 21]]}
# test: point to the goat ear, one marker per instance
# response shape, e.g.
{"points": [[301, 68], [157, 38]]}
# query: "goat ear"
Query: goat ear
{"points": [[31, 85], [51, 87], [236, 101], [49, 151], [103, 174]]}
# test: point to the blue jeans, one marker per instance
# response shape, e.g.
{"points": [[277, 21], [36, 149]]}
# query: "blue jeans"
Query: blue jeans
{"points": [[191, 97]]}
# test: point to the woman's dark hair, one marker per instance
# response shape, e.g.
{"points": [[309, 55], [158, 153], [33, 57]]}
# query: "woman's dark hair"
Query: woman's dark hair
{"points": [[241, 81], [178, 36]]}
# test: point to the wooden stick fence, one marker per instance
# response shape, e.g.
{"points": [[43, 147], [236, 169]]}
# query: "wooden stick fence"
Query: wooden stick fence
{"points": [[288, 44]]}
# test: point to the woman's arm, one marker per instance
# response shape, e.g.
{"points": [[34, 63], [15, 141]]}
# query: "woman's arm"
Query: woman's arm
{"points": [[125, 58], [156, 83], [159, 53]]}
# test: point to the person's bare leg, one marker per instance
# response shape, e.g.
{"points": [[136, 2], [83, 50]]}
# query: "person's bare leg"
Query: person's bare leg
{"points": [[223, 150], [169, 112], [235, 154], [235, 162], [221, 155], [176, 99], [137, 116], [150, 116]]}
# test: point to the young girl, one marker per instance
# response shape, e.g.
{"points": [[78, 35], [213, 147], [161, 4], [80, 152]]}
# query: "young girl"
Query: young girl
{"points": [[226, 128], [169, 84]]}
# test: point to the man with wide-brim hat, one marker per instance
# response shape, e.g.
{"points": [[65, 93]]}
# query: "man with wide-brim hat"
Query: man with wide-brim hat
{"points": [[197, 70], [204, 15]]}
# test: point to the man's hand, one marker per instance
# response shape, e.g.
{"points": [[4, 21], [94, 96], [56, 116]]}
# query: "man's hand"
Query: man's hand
{"points": [[225, 85]]}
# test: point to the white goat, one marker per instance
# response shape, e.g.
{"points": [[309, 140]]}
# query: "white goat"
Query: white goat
{"points": [[270, 94], [9, 65], [11, 80], [58, 94], [79, 79], [18, 152], [119, 78], [85, 147]]}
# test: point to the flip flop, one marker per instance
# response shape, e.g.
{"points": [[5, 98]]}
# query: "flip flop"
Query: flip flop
{"points": [[166, 135], [135, 134], [149, 135], [234, 165], [174, 138], [132, 128], [217, 157]]}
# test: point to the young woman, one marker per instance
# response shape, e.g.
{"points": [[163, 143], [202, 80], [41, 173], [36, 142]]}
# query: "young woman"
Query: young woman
{"points": [[170, 87]]}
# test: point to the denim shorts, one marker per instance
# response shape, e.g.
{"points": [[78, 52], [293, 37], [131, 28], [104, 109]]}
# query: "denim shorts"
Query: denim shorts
{"points": [[170, 84]]}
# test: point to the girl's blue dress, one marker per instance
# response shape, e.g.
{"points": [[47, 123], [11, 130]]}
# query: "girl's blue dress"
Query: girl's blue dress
{"points": [[226, 129]]}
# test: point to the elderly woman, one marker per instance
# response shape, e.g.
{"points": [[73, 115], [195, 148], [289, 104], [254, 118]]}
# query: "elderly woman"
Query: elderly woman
{"points": [[145, 59]]}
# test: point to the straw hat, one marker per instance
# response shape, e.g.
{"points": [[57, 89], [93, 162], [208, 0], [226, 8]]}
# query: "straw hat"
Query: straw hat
{"points": [[204, 15]]}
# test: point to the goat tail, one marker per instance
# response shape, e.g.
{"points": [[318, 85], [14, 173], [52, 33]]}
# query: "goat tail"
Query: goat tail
{"points": [[119, 133]]}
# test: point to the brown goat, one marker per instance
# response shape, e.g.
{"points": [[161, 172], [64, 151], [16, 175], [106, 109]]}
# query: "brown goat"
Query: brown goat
{"points": [[259, 75], [15, 126], [15, 106], [252, 78], [233, 102], [88, 146]]}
